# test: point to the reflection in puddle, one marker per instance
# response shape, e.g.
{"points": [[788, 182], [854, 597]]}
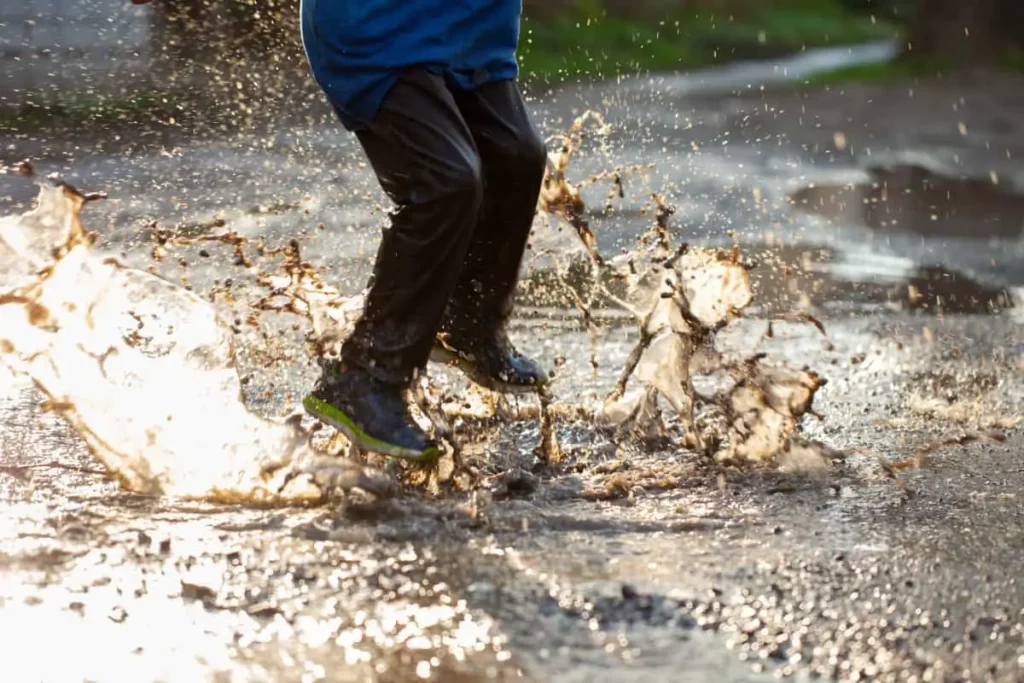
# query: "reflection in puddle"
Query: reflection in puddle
{"points": [[941, 291], [915, 199], [857, 279]]}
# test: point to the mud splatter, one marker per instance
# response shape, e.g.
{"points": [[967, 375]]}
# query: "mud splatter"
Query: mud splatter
{"points": [[144, 369], [681, 297]]}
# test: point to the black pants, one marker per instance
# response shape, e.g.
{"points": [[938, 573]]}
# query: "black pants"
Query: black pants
{"points": [[464, 169]]}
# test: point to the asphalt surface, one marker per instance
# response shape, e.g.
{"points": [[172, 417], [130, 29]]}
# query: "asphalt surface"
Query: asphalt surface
{"points": [[676, 572]]}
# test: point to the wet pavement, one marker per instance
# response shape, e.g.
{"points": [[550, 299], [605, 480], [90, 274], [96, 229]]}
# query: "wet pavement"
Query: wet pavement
{"points": [[667, 570]]}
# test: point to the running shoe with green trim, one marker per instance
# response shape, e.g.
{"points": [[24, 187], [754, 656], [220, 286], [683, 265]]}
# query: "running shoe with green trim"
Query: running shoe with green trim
{"points": [[372, 414]]}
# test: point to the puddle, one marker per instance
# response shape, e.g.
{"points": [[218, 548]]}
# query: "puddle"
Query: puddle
{"points": [[916, 200], [313, 604], [145, 370]]}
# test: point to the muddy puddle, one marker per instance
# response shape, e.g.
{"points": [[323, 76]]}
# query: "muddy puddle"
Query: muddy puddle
{"points": [[647, 568], [918, 200], [145, 370], [908, 200], [684, 508]]}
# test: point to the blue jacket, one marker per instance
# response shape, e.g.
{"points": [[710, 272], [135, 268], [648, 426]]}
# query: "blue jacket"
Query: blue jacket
{"points": [[358, 48]]}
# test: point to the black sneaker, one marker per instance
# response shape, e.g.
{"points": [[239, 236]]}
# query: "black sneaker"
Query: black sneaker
{"points": [[372, 414], [494, 364]]}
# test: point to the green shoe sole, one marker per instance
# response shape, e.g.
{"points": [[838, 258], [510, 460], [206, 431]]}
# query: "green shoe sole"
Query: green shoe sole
{"points": [[443, 356], [328, 414]]}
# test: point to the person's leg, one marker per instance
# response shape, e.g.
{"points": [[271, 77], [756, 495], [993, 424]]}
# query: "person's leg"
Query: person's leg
{"points": [[426, 161], [513, 156]]}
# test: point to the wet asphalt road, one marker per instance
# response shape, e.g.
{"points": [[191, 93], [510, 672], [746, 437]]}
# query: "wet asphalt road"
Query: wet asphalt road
{"points": [[841, 574]]}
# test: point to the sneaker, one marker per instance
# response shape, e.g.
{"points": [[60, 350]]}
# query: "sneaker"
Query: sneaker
{"points": [[372, 414], [494, 364]]}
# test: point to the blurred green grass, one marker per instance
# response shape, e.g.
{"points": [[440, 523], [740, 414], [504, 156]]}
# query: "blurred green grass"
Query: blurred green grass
{"points": [[589, 44], [905, 69]]}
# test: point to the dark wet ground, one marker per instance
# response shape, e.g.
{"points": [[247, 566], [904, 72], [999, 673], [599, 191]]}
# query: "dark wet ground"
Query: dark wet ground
{"points": [[842, 574], [839, 573]]}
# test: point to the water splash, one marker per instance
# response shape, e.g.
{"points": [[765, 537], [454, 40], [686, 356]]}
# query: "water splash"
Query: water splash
{"points": [[144, 370], [681, 297]]}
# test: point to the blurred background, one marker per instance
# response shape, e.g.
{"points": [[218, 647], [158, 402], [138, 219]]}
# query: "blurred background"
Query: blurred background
{"points": [[96, 59]]}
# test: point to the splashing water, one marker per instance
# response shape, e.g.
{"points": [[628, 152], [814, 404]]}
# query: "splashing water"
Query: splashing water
{"points": [[681, 298], [143, 370]]}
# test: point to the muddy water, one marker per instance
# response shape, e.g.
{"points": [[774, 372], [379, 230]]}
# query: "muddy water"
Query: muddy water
{"points": [[693, 583], [671, 573]]}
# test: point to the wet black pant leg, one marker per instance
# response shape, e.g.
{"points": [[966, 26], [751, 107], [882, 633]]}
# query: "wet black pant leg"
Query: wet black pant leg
{"points": [[424, 156], [513, 156]]}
